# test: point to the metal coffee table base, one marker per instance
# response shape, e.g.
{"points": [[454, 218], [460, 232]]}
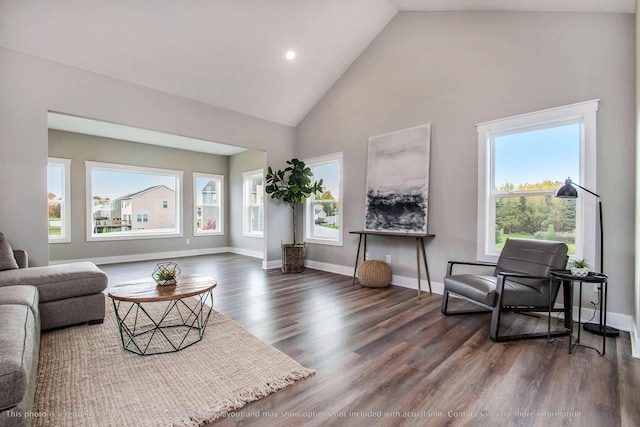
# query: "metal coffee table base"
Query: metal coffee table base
{"points": [[177, 327]]}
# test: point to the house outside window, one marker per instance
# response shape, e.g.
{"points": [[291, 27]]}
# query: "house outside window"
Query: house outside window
{"points": [[58, 200], [126, 202], [523, 160], [208, 209], [253, 203], [323, 215]]}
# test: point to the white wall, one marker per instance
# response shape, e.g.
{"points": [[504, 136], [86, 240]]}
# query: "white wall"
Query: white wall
{"points": [[457, 69], [30, 87], [238, 164]]}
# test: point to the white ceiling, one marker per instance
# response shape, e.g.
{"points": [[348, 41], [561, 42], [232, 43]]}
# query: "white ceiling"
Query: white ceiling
{"points": [[228, 53]]}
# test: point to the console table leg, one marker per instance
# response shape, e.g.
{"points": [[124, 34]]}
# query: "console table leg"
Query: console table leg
{"points": [[355, 269], [426, 265], [418, 264]]}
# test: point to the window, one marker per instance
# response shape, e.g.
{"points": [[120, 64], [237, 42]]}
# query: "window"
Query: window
{"points": [[58, 199], [165, 204], [120, 194], [209, 204], [522, 162], [323, 219], [253, 203]]}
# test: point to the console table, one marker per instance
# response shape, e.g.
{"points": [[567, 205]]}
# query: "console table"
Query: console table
{"points": [[419, 246]]}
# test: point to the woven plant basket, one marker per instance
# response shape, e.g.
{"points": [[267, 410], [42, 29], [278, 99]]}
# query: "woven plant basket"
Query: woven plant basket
{"points": [[293, 259], [374, 274]]}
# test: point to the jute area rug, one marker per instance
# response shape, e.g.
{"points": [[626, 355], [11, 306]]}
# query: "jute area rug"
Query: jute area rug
{"points": [[85, 378]]}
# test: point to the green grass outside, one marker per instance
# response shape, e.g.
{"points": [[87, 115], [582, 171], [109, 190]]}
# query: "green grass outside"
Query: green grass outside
{"points": [[504, 237], [54, 230], [332, 226]]}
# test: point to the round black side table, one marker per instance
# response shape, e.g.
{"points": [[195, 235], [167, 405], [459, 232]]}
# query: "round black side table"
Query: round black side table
{"points": [[569, 279]]}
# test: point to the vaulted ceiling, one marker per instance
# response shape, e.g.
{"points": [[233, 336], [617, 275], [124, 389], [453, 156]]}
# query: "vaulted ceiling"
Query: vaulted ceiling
{"points": [[228, 53]]}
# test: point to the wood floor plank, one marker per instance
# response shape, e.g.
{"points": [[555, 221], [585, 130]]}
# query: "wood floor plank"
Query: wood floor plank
{"points": [[384, 358]]}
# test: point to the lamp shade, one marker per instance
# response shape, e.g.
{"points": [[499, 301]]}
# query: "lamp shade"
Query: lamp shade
{"points": [[567, 191]]}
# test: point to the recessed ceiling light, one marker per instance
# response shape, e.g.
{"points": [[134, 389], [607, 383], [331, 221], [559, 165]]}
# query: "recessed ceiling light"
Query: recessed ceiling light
{"points": [[290, 55]]}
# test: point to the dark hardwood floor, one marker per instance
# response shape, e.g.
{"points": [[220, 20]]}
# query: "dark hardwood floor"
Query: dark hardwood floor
{"points": [[384, 358]]}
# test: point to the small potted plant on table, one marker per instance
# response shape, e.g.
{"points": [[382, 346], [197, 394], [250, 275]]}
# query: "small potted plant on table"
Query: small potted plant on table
{"points": [[292, 185], [166, 273], [580, 268]]}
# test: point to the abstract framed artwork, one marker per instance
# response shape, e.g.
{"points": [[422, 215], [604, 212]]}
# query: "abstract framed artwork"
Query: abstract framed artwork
{"points": [[398, 181]]}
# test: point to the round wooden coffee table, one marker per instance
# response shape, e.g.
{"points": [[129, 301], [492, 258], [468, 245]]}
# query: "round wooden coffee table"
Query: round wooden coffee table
{"points": [[155, 319]]}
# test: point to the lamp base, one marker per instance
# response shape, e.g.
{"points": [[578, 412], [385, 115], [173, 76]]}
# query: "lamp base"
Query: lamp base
{"points": [[594, 328]]}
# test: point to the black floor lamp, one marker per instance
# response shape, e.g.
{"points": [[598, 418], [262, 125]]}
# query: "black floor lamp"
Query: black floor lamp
{"points": [[568, 191]]}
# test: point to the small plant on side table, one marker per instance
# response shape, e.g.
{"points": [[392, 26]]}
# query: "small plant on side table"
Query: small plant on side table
{"points": [[581, 267]]}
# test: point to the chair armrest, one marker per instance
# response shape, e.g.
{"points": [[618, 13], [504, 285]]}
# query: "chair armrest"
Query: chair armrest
{"points": [[521, 275], [21, 258], [503, 275], [450, 265]]}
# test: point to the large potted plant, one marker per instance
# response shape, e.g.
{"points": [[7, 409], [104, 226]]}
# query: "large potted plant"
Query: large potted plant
{"points": [[292, 185]]}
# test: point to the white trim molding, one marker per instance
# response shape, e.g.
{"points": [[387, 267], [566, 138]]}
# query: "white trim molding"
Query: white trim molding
{"points": [[162, 255], [145, 257], [176, 175], [65, 202], [583, 113]]}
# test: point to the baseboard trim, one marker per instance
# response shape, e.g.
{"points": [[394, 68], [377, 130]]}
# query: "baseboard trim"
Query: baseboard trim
{"points": [[162, 255], [268, 265], [623, 322], [635, 341], [402, 281], [330, 268], [412, 283], [247, 252]]}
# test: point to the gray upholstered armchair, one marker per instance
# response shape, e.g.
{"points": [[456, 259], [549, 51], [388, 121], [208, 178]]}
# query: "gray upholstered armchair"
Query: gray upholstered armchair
{"points": [[520, 283]]}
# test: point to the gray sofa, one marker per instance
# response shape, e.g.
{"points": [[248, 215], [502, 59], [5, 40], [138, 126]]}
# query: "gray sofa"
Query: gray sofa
{"points": [[69, 293], [19, 351], [33, 300]]}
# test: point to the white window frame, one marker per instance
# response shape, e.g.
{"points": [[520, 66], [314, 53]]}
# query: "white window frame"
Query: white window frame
{"points": [[247, 204], [65, 201], [308, 212], [586, 205], [220, 226], [134, 234]]}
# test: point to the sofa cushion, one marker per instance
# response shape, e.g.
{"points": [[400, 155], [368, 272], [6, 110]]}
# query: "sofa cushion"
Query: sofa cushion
{"points": [[18, 336], [57, 282], [7, 260], [482, 289], [22, 295], [477, 288]]}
